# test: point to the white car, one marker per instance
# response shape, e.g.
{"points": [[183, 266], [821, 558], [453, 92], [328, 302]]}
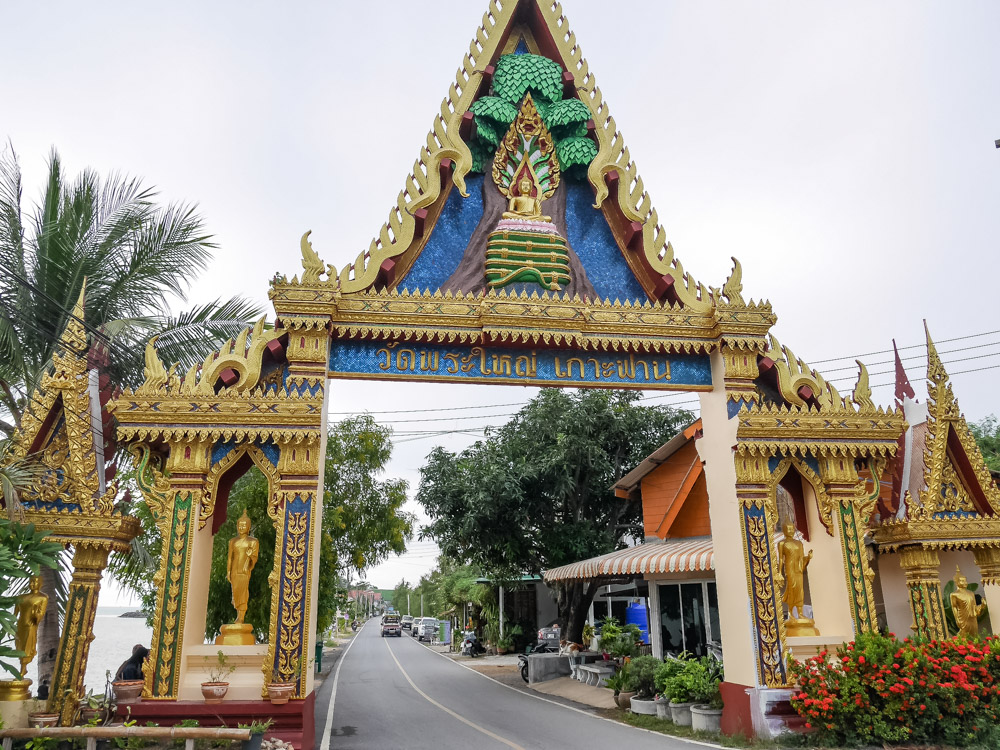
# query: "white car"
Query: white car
{"points": [[415, 627], [407, 622], [428, 629]]}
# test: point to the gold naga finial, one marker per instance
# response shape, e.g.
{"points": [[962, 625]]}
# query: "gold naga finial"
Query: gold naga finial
{"points": [[936, 373], [74, 335], [862, 395], [734, 285], [312, 264], [154, 372]]}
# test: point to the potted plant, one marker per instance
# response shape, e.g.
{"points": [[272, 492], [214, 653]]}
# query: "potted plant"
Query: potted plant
{"points": [[217, 686], [678, 688], [627, 692], [504, 644], [282, 687], [643, 670], [257, 729], [124, 691], [610, 631], [706, 714], [664, 673], [614, 683], [92, 708], [588, 635], [39, 716]]}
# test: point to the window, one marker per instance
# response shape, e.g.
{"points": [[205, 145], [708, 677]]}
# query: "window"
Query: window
{"points": [[689, 616]]}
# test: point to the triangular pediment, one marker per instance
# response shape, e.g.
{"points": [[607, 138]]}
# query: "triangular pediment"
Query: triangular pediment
{"points": [[452, 206], [956, 478]]}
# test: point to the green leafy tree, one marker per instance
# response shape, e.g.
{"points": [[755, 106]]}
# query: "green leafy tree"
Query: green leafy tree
{"points": [[136, 255], [535, 493], [566, 119], [987, 434]]}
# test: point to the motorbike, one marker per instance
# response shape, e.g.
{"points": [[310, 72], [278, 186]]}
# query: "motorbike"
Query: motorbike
{"points": [[354, 626], [544, 646], [470, 645]]}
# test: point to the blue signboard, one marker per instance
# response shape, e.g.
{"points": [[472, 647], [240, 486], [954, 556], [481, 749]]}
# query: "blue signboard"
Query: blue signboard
{"points": [[514, 366]]}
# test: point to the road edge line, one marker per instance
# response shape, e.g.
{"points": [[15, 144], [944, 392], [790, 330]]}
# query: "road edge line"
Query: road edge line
{"points": [[450, 712], [533, 694], [325, 742]]}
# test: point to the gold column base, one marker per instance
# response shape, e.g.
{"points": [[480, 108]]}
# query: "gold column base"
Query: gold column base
{"points": [[236, 635], [15, 690], [800, 626]]}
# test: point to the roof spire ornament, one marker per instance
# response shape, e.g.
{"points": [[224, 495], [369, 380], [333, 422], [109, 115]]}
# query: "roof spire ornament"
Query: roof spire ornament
{"points": [[862, 395], [903, 387]]}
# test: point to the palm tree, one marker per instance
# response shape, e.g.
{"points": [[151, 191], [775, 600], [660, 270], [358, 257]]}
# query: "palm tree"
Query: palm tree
{"points": [[136, 256]]}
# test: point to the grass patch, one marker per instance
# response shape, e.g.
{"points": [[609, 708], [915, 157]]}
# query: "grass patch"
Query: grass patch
{"points": [[668, 727]]}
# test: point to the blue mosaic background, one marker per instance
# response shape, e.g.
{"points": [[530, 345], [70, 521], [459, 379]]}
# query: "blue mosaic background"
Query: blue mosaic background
{"points": [[449, 238], [363, 358], [591, 239], [589, 236]]}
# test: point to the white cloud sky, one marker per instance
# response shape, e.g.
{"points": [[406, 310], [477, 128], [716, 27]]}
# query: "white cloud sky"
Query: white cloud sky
{"points": [[844, 152]]}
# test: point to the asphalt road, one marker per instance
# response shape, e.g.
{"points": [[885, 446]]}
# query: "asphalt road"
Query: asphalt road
{"points": [[395, 693]]}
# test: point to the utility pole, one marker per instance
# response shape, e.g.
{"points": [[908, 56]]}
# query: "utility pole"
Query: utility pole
{"points": [[407, 602], [421, 605]]}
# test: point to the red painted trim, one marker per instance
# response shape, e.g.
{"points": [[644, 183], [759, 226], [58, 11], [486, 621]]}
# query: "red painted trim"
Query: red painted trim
{"points": [[737, 717]]}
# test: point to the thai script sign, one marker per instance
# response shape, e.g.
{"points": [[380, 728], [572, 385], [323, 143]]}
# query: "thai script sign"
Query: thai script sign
{"points": [[501, 365]]}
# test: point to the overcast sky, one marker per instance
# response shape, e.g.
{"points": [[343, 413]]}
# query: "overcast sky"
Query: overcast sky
{"points": [[842, 151]]}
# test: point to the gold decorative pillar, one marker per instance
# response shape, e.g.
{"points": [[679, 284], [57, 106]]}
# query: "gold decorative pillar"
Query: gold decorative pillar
{"points": [[923, 580], [741, 371], [853, 507], [988, 560], [758, 516], [89, 562], [174, 496]]}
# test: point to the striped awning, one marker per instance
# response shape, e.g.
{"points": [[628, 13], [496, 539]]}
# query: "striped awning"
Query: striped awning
{"points": [[691, 555]]}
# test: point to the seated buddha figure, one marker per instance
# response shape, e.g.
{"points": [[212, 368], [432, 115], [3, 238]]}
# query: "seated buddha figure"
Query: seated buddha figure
{"points": [[524, 205]]}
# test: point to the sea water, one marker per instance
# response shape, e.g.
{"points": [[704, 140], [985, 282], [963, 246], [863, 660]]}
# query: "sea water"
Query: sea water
{"points": [[114, 638]]}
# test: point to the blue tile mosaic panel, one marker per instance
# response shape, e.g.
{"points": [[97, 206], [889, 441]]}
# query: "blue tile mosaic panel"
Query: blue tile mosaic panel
{"points": [[519, 366]]}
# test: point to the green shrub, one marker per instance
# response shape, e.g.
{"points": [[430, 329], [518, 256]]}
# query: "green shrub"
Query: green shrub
{"points": [[664, 673], [644, 669], [610, 630], [629, 684]]}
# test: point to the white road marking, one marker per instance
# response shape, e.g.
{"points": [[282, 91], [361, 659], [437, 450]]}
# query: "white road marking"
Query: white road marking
{"points": [[447, 710], [327, 728], [536, 696]]}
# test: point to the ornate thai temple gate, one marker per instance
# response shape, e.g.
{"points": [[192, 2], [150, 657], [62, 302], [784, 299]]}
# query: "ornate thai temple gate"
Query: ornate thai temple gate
{"points": [[523, 249]]}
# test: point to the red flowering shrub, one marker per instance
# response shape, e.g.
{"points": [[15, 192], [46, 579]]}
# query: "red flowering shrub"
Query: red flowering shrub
{"points": [[883, 690]]}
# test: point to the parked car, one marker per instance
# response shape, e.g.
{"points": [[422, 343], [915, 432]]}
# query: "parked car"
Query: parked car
{"points": [[548, 638], [428, 629], [406, 622], [391, 626], [415, 627]]}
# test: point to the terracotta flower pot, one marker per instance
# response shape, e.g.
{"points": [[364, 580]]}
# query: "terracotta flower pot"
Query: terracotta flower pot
{"points": [[39, 720], [214, 692], [624, 700], [127, 691], [279, 692]]}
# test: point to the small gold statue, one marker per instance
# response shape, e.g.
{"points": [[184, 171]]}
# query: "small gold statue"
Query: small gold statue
{"points": [[794, 561], [243, 552], [29, 610], [964, 607], [524, 205]]}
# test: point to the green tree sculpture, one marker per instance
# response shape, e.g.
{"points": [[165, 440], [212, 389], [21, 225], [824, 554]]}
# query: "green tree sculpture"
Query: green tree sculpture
{"points": [[566, 119]]}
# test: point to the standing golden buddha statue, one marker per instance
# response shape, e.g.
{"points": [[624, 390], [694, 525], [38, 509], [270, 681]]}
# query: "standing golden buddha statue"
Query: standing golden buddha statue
{"points": [[964, 607], [243, 552], [793, 562], [29, 611]]}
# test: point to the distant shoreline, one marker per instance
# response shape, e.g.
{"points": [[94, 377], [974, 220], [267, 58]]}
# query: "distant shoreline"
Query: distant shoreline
{"points": [[135, 614]]}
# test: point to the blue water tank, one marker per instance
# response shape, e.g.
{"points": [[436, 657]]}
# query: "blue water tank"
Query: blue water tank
{"points": [[636, 615]]}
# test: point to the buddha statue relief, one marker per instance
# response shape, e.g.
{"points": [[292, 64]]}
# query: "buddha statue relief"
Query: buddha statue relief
{"points": [[793, 561], [964, 607], [523, 203]]}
